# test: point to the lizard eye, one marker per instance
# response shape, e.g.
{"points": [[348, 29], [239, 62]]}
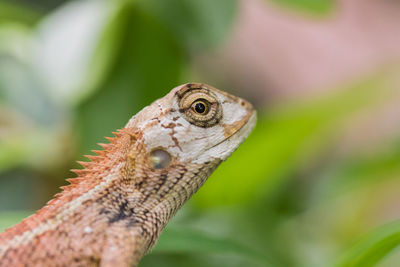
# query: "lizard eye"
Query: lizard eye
{"points": [[199, 105]]}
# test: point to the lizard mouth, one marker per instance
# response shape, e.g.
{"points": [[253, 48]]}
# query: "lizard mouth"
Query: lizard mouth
{"points": [[240, 129]]}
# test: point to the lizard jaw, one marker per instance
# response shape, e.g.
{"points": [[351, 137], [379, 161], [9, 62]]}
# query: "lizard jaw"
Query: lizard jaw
{"points": [[240, 133]]}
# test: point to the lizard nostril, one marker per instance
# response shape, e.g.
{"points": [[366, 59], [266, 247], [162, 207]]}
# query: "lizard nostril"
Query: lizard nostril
{"points": [[160, 159]]}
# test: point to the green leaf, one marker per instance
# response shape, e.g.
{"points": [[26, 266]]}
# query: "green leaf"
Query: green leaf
{"points": [[201, 24], [8, 219], [373, 248], [68, 38], [181, 240]]}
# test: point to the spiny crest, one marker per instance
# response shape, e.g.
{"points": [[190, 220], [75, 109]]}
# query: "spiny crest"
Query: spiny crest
{"points": [[76, 180], [93, 158], [88, 168], [85, 164], [83, 178]]}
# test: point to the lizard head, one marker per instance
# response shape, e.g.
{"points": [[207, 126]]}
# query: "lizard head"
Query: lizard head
{"points": [[194, 123], [178, 141], [165, 153]]}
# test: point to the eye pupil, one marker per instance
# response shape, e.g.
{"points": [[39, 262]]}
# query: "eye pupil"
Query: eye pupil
{"points": [[200, 108]]}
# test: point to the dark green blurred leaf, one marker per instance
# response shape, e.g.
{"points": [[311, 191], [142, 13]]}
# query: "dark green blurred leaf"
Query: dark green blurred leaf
{"points": [[12, 12], [311, 6], [181, 240], [201, 24], [147, 64], [374, 247]]}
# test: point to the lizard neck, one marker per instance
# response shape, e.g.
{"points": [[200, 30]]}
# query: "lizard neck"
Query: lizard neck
{"points": [[152, 212]]}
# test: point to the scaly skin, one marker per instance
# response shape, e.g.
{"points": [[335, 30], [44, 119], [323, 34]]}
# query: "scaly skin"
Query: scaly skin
{"points": [[115, 210]]}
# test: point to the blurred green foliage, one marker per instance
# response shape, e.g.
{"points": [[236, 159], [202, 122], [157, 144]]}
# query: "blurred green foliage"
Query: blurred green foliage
{"points": [[9, 218], [70, 76], [314, 7], [292, 133], [10, 11], [374, 247]]}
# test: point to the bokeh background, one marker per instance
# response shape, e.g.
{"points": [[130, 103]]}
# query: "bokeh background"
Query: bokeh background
{"points": [[316, 183]]}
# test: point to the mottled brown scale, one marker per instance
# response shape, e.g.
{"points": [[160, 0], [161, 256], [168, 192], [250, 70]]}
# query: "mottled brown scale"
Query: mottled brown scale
{"points": [[115, 210]]}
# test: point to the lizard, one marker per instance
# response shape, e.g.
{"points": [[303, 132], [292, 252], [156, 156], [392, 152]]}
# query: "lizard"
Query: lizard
{"points": [[113, 212]]}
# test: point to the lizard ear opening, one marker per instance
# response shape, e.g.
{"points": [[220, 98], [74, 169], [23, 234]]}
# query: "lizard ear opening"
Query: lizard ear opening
{"points": [[159, 159]]}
